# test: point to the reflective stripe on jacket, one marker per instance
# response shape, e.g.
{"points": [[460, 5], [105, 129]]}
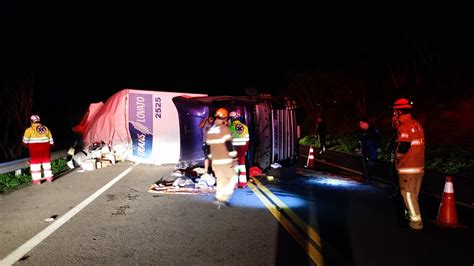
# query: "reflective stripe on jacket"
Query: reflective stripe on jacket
{"points": [[37, 133], [216, 138], [412, 162], [240, 133]]}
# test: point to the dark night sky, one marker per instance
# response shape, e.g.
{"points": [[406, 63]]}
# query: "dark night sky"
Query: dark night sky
{"points": [[220, 47]]}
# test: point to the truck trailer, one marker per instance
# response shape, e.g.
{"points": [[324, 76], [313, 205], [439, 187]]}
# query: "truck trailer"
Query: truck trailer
{"points": [[271, 121]]}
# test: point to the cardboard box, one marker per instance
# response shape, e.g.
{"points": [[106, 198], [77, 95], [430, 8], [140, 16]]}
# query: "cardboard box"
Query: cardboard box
{"points": [[120, 157], [106, 163], [95, 154], [89, 165], [109, 157]]}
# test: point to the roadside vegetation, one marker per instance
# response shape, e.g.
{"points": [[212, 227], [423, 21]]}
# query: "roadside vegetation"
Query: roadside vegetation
{"points": [[449, 159], [10, 182]]}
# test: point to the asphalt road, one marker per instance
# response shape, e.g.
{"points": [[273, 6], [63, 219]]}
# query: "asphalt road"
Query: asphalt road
{"points": [[126, 225], [432, 186], [321, 216]]}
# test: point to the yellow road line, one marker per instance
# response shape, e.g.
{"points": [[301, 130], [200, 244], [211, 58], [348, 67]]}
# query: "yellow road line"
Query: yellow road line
{"points": [[300, 223], [308, 246]]}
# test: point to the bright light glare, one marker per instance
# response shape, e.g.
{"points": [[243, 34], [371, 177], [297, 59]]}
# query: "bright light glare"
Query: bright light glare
{"points": [[249, 200], [201, 114], [333, 182], [245, 198]]}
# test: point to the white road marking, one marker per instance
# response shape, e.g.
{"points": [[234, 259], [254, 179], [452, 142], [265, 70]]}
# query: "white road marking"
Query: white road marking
{"points": [[33, 242]]}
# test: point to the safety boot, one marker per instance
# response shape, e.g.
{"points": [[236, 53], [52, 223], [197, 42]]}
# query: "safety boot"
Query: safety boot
{"points": [[224, 198], [416, 225]]}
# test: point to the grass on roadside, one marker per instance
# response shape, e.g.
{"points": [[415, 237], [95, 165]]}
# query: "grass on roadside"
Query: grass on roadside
{"points": [[10, 182], [445, 159]]}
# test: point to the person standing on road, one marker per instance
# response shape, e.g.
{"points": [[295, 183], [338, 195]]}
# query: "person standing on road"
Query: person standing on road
{"points": [[240, 140], [38, 140], [369, 140], [321, 130], [409, 159], [222, 154], [206, 124]]}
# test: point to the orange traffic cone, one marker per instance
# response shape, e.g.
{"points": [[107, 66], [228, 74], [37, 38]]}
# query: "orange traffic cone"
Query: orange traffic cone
{"points": [[447, 215], [310, 161]]}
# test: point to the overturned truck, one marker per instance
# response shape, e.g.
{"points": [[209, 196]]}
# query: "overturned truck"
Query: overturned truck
{"points": [[158, 127], [271, 122]]}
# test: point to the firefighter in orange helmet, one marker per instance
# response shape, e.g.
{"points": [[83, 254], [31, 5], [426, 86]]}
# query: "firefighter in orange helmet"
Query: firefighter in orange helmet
{"points": [[409, 159], [38, 140], [222, 155]]}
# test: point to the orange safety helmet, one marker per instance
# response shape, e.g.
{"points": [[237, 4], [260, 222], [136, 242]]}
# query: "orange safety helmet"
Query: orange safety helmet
{"points": [[221, 113], [402, 103]]}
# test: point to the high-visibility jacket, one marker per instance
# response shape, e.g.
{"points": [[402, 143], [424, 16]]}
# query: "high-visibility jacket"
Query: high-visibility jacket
{"points": [[240, 133], [37, 133], [217, 136], [412, 162], [38, 139]]}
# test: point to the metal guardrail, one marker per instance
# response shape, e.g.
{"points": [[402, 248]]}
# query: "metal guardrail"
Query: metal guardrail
{"points": [[12, 166]]}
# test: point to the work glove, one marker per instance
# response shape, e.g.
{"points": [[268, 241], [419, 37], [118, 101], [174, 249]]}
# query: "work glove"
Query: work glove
{"points": [[233, 154]]}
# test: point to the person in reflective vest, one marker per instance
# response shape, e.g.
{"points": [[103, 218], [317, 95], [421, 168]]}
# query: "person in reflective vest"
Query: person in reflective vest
{"points": [[38, 139], [240, 134], [222, 155], [409, 159]]}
